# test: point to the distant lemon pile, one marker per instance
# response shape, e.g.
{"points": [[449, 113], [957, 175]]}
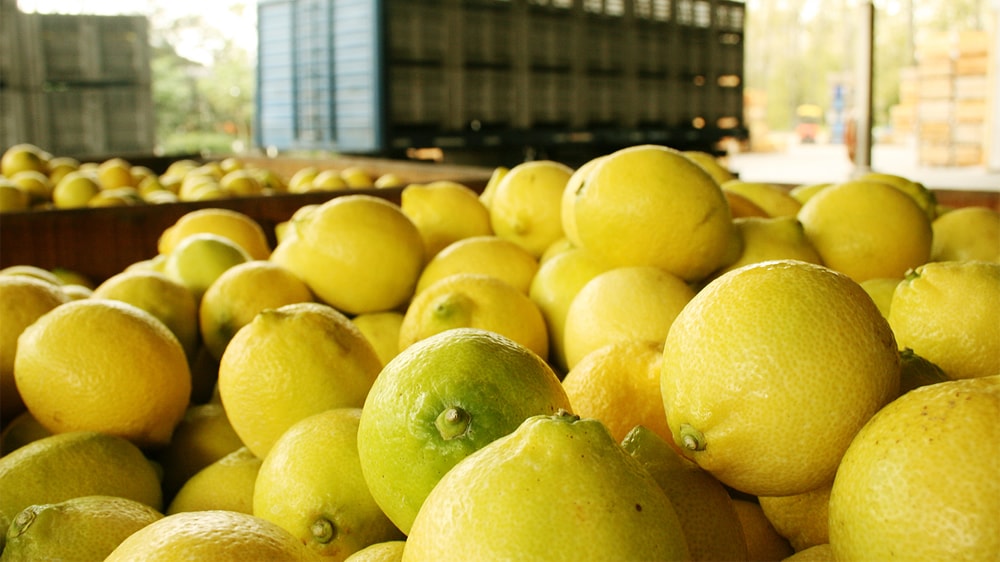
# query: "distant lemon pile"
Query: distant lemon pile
{"points": [[642, 358]]}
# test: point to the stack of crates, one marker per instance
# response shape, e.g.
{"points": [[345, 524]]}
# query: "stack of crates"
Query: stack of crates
{"points": [[77, 85]]}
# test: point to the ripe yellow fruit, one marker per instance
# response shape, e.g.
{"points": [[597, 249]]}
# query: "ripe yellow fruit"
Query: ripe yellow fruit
{"points": [[327, 180], [311, 484], [715, 168], [382, 331], [114, 173], [445, 212], [770, 371], [621, 208], [763, 541], [210, 536], [358, 253], [234, 225], [802, 518], [389, 180], [75, 190], [881, 289], [491, 185], [867, 229], [567, 205], [32, 271], [474, 300], [235, 297], [74, 464], [805, 192], [60, 166], [775, 201], [704, 508], [23, 300], [488, 255], [817, 553], [565, 475], [227, 483], [35, 183], [301, 180], [289, 363], [83, 528], [199, 259], [919, 480], [357, 177], [625, 303], [24, 156], [947, 313], [241, 183], [13, 198], [923, 197], [771, 238], [967, 233], [619, 384], [104, 365], [20, 431], [526, 205], [387, 551], [203, 437]]}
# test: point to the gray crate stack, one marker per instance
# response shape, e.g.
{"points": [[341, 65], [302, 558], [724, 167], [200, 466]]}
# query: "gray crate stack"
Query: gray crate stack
{"points": [[76, 85]]}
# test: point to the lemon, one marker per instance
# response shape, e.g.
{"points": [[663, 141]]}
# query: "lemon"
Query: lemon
{"points": [[445, 212], [13, 198], [357, 253], [916, 371], [328, 180], [60, 166], [234, 225], [567, 203], [39, 273], [23, 156], [719, 172], [20, 431], [79, 529], [386, 551], [559, 246], [271, 180], [311, 484], [301, 180], [621, 209], [227, 483], [491, 185], [357, 177], [201, 438], [242, 291], [770, 371], [711, 527], [553, 288], [117, 197], [437, 402], [488, 255], [74, 464], [771, 238], [389, 180], [72, 277], [881, 289], [210, 536], [35, 183], [571, 493], [867, 229], [74, 190], [802, 518], [763, 541], [104, 365], [382, 331], [742, 206], [947, 313], [919, 480], [242, 183], [967, 233], [775, 201], [526, 205], [474, 300], [23, 300], [167, 300], [619, 384], [625, 303], [289, 363], [114, 173], [817, 553], [806, 191], [924, 197]]}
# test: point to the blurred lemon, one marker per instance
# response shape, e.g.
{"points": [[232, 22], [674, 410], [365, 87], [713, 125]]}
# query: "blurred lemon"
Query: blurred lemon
{"points": [[474, 300], [78, 367], [289, 363], [301, 180], [311, 484], [357, 177], [39, 273], [625, 303], [242, 183], [763, 541], [390, 179], [526, 205], [805, 192], [491, 185], [444, 212], [227, 483], [916, 371], [72, 277], [74, 190], [947, 313], [234, 299], [199, 259], [559, 246], [23, 156], [13, 198], [741, 206], [210, 536], [60, 166], [881, 289], [720, 173], [382, 331], [802, 518], [328, 180], [924, 197], [201, 438], [967, 233], [567, 204], [775, 201], [386, 551], [732, 383], [20, 431], [114, 173], [35, 183], [771, 238], [234, 225], [488, 255]]}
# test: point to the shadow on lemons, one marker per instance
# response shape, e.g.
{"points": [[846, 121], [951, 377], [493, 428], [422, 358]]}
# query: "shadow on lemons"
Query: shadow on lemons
{"points": [[881, 289], [202, 437], [382, 331], [20, 431], [763, 541]]}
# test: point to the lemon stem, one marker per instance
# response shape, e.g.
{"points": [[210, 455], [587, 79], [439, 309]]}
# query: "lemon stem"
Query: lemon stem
{"points": [[22, 521], [453, 422], [323, 530], [691, 438]]}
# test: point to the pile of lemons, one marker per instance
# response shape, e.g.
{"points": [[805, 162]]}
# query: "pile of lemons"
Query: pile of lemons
{"points": [[644, 358]]}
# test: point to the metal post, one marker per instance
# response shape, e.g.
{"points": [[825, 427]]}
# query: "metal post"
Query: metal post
{"points": [[863, 95], [993, 154]]}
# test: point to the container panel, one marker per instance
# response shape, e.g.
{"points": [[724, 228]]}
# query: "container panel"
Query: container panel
{"points": [[486, 33], [417, 30], [358, 62], [88, 49], [275, 100]]}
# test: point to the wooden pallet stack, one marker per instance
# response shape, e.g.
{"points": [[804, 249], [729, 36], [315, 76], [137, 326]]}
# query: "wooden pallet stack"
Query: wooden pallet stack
{"points": [[953, 75]]}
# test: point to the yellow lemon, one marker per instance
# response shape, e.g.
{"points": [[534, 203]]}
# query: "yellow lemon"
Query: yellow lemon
{"points": [[802, 518], [491, 185], [60, 166], [559, 246], [72, 277], [227, 483], [806, 191], [770, 371], [74, 190], [526, 205], [301, 180], [817, 553], [474, 300], [23, 156], [621, 209], [199, 259], [201, 438], [619, 384], [919, 480], [775, 201], [967, 233], [444, 212], [166, 299], [210, 536], [35, 183], [867, 229], [23, 300], [114, 173], [234, 225], [771, 238], [39, 273], [386, 551], [763, 541], [567, 204], [488, 255], [924, 197], [357, 177], [947, 313], [881, 289], [104, 365], [20, 431], [388, 180], [311, 484], [242, 291], [625, 303], [704, 508], [715, 168], [565, 475], [74, 464], [382, 330], [242, 183], [328, 180], [357, 253], [13, 198], [83, 528], [289, 363], [439, 401]]}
